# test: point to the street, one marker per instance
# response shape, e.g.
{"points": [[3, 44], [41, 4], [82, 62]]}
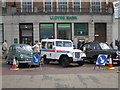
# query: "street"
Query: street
{"points": [[55, 76]]}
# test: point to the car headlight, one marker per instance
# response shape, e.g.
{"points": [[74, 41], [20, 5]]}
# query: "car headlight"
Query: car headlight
{"points": [[21, 56], [118, 52]]}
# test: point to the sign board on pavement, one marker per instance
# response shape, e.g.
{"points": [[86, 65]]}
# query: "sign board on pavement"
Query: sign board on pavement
{"points": [[36, 59], [101, 60]]}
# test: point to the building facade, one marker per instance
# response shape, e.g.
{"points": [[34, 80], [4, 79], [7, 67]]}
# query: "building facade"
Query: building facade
{"points": [[23, 22]]}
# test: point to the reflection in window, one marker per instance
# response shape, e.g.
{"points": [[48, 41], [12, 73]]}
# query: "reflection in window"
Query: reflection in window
{"points": [[46, 31], [64, 31], [81, 29], [47, 5], [62, 5]]}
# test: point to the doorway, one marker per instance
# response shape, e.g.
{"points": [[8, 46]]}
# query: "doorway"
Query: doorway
{"points": [[100, 32], [26, 33]]}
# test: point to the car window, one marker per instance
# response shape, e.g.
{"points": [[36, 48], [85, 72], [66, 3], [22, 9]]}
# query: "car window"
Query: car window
{"points": [[67, 44], [96, 47], [105, 46], [87, 46], [59, 43], [50, 45], [43, 45], [24, 48], [10, 49], [63, 43]]}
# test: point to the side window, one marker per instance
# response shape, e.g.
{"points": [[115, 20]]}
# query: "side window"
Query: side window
{"points": [[43, 45], [50, 45], [14, 48], [10, 49]]}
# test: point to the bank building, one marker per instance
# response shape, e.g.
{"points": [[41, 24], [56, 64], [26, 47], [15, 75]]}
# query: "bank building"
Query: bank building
{"points": [[26, 21]]}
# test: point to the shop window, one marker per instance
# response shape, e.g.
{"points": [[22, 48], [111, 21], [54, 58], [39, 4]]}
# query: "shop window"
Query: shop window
{"points": [[46, 31], [1, 33], [81, 29], [95, 5], [62, 5], [48, 5], [26, 33], [64, 31], [26, 6], [76, 5]]}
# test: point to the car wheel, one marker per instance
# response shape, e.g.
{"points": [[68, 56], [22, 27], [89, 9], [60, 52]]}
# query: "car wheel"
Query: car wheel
{"points": [[64, 61], [46, 61], [80, 63]]}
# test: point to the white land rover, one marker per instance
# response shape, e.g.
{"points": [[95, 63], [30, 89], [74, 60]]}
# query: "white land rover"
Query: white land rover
{"points": [[62, 51]]}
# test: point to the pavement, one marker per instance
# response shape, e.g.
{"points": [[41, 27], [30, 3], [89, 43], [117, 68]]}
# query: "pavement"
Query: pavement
{"points": [[103, 80]]}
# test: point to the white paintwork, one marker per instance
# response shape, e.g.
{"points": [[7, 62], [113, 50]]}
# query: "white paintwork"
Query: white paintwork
{"points": [[56, 52]]}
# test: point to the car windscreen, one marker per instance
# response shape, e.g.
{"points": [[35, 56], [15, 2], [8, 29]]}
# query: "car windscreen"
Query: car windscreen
{"points": [[105, 46], [63, 44], [24, 48]]}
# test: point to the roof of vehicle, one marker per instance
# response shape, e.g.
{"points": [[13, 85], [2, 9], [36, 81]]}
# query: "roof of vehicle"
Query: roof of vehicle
{"points": [[55, 40]]}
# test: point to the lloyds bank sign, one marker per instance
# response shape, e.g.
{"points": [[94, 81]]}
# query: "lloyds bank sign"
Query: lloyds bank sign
{"points": [[63, 17]]}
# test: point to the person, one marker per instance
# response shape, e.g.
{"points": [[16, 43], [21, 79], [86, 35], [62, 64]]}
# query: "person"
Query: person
{"points": [[111, 44], [36, 47], [118, 45], [4, 49]]}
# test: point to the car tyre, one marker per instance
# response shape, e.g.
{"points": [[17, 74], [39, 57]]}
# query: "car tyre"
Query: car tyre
{"points": [[80, 63], [64, 61], [118, 62], [46, 61]]}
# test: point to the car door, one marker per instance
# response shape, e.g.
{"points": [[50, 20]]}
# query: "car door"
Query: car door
{"points": [[11, 53], [50, 49]]}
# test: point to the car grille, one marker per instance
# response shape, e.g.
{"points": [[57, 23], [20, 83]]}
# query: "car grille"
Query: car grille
{"points": [[77, 54], [29, 59]]}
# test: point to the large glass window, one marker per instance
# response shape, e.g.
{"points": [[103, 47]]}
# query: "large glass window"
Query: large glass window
{"points": [[76, 5], [1, 33], [80, 29], [46, 31], [95, 5], [47, 5], [27, 6], [64, 31], [62, 6]]}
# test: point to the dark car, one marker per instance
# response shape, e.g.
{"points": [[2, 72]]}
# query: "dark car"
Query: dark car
{"points": [[93, 49], [22, 52]]}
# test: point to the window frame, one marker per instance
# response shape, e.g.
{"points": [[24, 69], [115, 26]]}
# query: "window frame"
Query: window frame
{"points": [[51, 5], [87, 29], [74, 4], [40, 30], [95, 1], [2, 32], [22, 5], [67, 5]]}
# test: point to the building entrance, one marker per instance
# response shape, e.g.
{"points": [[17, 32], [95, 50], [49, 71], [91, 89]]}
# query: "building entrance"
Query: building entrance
{"points": [[26, 33], [100, 32]]}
